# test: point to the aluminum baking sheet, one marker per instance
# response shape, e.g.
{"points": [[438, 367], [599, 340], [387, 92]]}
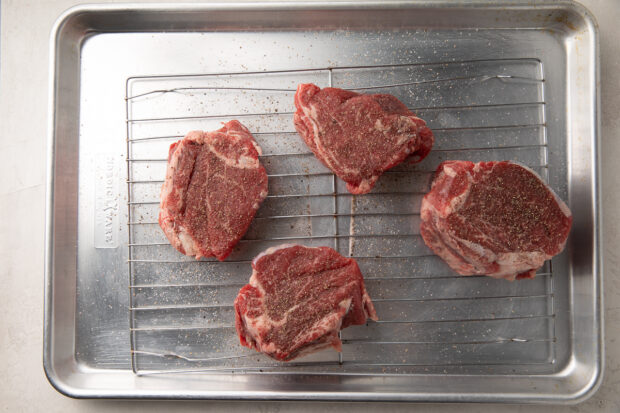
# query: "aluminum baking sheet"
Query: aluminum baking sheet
{"points": [[128, 316]]}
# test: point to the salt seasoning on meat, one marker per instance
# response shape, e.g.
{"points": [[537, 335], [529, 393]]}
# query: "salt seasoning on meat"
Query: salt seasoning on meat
{"points": [[493, 218], [214, 185], [298, 299], [359, 136]]}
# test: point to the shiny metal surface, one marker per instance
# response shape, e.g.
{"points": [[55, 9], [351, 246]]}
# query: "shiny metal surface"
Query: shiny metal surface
{"points": [[515, 82]]}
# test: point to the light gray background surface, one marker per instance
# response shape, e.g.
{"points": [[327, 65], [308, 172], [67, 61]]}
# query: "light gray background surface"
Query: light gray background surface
{"points": [[25, 27]]}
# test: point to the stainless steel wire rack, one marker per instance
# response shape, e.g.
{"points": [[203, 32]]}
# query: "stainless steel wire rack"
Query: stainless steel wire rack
{"points": [[431, 320]]}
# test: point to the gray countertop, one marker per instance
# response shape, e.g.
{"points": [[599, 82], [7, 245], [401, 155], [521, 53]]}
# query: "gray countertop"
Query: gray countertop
{"points": [[25, 27]]}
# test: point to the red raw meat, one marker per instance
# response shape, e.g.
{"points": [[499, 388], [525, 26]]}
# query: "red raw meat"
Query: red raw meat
{"points": [[214, 185], [298, 299], [493, 218], [359, 136]]}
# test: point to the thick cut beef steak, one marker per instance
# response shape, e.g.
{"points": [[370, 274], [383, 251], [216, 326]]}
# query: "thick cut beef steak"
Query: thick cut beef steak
{"points": [[493, 218], [359, 136], [298, 299], [214, 185]]}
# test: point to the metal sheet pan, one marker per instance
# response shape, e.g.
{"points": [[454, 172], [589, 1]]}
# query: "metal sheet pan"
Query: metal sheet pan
{"points": [[127, 316]]}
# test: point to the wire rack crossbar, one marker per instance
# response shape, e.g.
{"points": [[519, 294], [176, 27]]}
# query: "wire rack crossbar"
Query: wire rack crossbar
{"points": [[309, 154], [413, 109], [461, 128], [376, 300]]}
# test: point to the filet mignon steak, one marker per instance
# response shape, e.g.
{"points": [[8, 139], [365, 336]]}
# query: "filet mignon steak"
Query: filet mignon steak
{"points": [[298, 299], [359, 136], [493, 218], [214, 185]]}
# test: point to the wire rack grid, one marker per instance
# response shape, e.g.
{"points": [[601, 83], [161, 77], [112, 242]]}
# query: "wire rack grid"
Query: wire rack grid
{"points": [[431, 320]]}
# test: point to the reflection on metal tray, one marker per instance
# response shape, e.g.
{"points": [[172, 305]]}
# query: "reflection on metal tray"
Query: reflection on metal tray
{"points": [[494, 86]]}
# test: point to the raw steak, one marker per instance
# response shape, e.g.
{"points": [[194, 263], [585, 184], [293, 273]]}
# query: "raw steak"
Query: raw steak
{"points": [[493, 218], [214, 185], [359, 136], [298, 299]]}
